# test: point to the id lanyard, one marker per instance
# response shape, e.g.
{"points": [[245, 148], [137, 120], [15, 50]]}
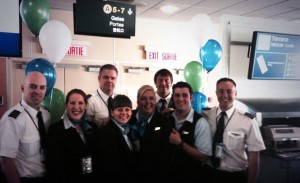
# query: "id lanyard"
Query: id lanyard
{"points": [[30, 117], [227, 120], [102, 99]]}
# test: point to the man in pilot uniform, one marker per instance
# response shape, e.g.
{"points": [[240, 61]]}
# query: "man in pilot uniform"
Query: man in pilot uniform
{"points": [[22, 142], [237, 143]]}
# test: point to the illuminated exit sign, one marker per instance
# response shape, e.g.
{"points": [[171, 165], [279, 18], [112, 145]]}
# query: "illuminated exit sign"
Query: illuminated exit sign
{"points": [[161, 54]]}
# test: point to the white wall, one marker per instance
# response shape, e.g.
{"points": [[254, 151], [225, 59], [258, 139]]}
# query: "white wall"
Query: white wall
{"points": [[183, 37], [123, 53]]}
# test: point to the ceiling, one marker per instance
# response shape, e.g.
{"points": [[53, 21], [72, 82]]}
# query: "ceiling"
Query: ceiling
{"points": [[285, 10]]}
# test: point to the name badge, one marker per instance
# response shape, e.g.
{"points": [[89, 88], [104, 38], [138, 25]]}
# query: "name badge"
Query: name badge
{"points": [[219, 150], [86, 164]]}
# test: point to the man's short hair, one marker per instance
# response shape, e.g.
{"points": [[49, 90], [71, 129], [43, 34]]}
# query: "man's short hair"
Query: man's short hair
{"points": [[108, 67], [163, 72], [226, 79], [182, 84]]}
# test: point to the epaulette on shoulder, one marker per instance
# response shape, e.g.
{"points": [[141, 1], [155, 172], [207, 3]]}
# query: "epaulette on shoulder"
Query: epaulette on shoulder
{"points": [[14, 114], [249, 115]]}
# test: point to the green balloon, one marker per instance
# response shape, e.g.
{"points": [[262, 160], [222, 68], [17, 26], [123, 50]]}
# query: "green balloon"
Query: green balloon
{"points": [[193, 75], [55, 103], [35, 13]]}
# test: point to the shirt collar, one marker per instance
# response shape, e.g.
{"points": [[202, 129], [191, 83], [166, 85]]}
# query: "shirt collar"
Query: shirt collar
{"points": [[189, 117], [33, 112], [229, 112], [104, 96], [68, 124], [118, 125], [168, 98]]}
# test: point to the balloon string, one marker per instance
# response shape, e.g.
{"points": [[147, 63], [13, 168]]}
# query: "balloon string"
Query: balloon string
{"points": [[206, 84], [206, 92], [51, 96]]}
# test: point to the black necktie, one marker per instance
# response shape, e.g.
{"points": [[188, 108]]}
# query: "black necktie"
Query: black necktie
{"points": [[163, 104], [109, 103], [42, 130], [218, 138]]}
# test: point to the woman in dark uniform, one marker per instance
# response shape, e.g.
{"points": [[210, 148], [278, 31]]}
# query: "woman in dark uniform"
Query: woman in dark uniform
{"points": [[147, 134], [71, 143], [118, 163]]}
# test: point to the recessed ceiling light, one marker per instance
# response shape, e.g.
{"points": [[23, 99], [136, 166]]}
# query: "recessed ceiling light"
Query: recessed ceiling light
{"points": [[169, 8]]}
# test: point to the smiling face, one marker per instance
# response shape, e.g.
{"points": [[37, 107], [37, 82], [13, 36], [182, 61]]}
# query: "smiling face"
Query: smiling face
{"points": [[34, 89], [182, 99], [163, 85], [146, 102], [226, 93], [76, 106], [121, 114]]}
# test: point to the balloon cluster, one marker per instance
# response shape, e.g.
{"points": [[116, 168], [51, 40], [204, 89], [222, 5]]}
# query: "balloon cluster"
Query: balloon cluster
{"points": [[34, 13], [210, 54], [55, 37], [54, 98]]}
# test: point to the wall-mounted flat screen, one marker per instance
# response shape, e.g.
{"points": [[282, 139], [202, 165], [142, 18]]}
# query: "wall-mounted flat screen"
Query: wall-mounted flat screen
{"points": [[10, 29], [104, 18], [274, 56]]}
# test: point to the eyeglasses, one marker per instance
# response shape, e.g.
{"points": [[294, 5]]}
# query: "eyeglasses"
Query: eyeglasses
{"points": [[228, 91]]}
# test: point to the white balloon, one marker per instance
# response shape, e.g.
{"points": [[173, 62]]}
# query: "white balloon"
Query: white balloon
{"points": [[55, 39], [201, 28]]}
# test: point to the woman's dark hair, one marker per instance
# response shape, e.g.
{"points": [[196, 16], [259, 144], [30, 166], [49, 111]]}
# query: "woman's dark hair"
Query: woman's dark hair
{"points": [[77, 91], [121, 101]]}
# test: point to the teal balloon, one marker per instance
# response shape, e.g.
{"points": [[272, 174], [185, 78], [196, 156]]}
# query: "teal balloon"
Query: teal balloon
{"points": [[204, 101], [199, 101], [46, 68], [210, 54], [54, 102], [196, 102], [35, 13], [193, 72]]}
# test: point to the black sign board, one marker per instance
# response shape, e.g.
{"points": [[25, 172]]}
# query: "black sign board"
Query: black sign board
{"points": [[104, 18]]}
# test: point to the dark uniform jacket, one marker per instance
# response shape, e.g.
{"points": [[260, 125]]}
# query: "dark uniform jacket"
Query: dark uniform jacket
{"points": [[118, 163], [66, 150], [151, 144]]}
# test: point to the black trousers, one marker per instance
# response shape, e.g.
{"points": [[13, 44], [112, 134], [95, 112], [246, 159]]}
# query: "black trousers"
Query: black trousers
{"points": [[214, 176]]}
